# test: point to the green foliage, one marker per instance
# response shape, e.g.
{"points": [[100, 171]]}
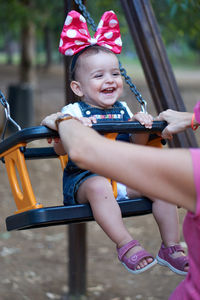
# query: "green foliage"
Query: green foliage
{"points": [[100, 7], [10, 15], [42, 13], [179, 21]]}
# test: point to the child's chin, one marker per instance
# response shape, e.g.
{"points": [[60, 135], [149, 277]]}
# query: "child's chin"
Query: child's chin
{"points": [[111, 99]]}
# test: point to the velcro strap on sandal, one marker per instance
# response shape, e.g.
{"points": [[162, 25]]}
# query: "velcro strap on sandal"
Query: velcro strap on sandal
{"points": [[124, 249], [175, 248]]}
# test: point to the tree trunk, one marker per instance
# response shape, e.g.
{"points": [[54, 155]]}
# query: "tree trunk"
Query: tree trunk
{"points": [[48, 46], [8, 48], [27, 72]]}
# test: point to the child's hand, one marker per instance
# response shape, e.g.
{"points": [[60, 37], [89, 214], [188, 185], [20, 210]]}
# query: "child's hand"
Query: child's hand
{"points": [[88, 121], [144, 119]]}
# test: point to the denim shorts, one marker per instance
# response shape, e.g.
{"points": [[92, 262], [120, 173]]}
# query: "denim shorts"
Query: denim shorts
{"points": [[72, 180]]}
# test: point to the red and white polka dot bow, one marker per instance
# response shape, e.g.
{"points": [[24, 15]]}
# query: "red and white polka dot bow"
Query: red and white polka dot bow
{"points": [[75, 35]]}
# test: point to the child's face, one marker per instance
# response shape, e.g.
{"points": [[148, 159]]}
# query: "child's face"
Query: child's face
{"points": [[100, 79]]}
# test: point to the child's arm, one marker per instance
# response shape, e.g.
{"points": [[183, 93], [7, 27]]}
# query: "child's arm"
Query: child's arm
{"points": [[146, 120], [58, 147]]}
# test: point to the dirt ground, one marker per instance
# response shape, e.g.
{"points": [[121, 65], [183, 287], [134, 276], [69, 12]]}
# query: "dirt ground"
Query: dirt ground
{"points": [[34, 262]]}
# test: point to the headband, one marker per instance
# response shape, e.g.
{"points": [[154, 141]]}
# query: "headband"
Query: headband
{"points": [[75, 35]]}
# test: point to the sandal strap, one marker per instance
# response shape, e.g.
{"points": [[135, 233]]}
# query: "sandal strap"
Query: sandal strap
{"points": [[173, 249], [137, 257], [124, 249]]}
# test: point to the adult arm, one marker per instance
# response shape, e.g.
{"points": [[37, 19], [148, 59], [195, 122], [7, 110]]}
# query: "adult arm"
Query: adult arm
{"points": [[166, 174], [58, 145]]}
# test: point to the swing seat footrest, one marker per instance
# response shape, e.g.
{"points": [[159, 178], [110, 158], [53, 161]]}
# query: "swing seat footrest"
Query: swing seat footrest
{"points": [[60, 215]]}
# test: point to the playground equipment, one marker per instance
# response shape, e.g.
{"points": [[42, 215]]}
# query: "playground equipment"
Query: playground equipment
{"points": [[30, 213], [165, 94]]}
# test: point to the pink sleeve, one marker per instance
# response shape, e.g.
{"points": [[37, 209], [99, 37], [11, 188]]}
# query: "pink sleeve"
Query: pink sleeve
{"points": [[197, 111], [196, 169]]}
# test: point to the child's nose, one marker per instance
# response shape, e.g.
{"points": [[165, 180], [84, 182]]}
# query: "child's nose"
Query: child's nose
{"points": [[109, 78]]}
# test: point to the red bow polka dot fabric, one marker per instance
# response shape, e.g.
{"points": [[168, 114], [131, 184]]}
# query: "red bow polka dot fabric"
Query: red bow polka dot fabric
{"points": [[75, 35]]}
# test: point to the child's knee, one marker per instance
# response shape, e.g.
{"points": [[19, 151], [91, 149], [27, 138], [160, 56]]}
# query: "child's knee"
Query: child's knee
{"points": [[99, 186]]}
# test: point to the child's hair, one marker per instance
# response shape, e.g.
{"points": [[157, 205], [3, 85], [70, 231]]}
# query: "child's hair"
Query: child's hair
{"points": [[88, 51]]}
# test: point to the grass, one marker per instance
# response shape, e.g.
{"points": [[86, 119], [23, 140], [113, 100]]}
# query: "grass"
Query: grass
{"points": [[184, 62], [3, 59], [132, 66], [40, 58]]}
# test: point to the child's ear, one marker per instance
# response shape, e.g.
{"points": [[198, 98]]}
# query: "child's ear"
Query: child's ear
{"points": [[76, 88]]}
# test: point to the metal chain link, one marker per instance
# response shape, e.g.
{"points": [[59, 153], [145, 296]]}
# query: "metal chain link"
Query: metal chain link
{"points": [[86, 14], [132, 86]]}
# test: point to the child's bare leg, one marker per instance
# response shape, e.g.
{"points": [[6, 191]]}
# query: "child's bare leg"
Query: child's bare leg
{"points": [[166, 216], [98, 192]]}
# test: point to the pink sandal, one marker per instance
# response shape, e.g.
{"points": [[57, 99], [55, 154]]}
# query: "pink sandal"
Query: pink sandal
{"points": [[132, 262], [178, 264]]}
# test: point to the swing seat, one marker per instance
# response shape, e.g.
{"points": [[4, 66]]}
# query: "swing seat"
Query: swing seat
{"points": [[60, 215], [30, 214]]}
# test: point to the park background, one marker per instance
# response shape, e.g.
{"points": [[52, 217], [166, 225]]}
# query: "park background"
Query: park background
{"points": [[34, 262]]}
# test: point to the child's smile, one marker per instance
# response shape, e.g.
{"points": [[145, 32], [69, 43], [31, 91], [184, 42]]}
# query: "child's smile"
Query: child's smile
{"points": [[108, 91]]}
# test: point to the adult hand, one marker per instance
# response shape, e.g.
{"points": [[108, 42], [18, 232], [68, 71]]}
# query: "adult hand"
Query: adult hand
{"points": [[177, 122]]}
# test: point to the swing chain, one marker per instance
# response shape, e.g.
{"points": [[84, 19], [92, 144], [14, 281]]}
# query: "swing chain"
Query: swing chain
{"points": [[86, 14], [7, 115], [132, 86]]}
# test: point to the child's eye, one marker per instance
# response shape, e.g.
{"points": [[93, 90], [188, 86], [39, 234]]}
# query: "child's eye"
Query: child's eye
{"points": [[98, 75], [116, 73]]}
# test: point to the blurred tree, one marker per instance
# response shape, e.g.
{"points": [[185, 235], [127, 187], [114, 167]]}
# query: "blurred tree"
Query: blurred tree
{"points": [[49, 17], [16, 22], [45, 19], [96, 10], [20, 18], [27, 28], [179, 21], [9, 27], [100, 6]]}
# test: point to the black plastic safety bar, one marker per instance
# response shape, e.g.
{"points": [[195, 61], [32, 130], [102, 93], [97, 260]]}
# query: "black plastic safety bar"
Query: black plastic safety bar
{"points": [[42, 132], [59, 215]]}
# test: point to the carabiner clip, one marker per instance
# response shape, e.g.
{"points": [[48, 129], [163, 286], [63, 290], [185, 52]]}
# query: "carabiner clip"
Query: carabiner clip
{"points": [[144, 106], [7, 115]]}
